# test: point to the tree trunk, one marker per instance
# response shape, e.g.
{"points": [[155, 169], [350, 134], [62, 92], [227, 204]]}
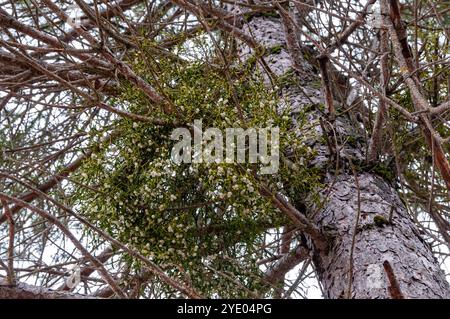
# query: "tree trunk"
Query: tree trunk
{"points": [[385, 233], [390, 258]]}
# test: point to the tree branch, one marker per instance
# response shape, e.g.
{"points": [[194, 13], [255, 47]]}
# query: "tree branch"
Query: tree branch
{"points": [[25, 291], [276, 273]]}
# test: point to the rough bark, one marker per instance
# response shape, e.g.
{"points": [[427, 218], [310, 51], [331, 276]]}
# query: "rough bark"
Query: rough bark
{"points": [[377, 240], [25, 291], [385, 232]]}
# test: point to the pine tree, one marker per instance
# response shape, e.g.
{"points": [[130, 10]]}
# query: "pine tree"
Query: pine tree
{"points": [[91, 107]]}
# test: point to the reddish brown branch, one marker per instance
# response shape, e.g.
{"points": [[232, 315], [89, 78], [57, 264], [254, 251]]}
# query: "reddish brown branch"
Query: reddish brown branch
{"points": [[54, 180], [10, 265], [323, 63], [433, 140], [285, 264], [394, 288]]}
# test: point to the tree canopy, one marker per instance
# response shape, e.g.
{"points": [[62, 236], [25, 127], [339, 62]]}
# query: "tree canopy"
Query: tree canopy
{"points": [[91, 91]]}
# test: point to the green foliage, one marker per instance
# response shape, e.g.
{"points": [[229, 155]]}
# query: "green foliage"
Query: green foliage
{"points": [[204, 220], [380, 221], [288, 78], [384, 171], [275, 49]]}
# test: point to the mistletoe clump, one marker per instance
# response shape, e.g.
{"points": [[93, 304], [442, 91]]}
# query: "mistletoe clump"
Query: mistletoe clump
{"points": [[202, 221]]}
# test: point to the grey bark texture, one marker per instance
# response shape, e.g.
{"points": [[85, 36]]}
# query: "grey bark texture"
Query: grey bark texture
{"points": [[385, 233], [25, 291]]}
